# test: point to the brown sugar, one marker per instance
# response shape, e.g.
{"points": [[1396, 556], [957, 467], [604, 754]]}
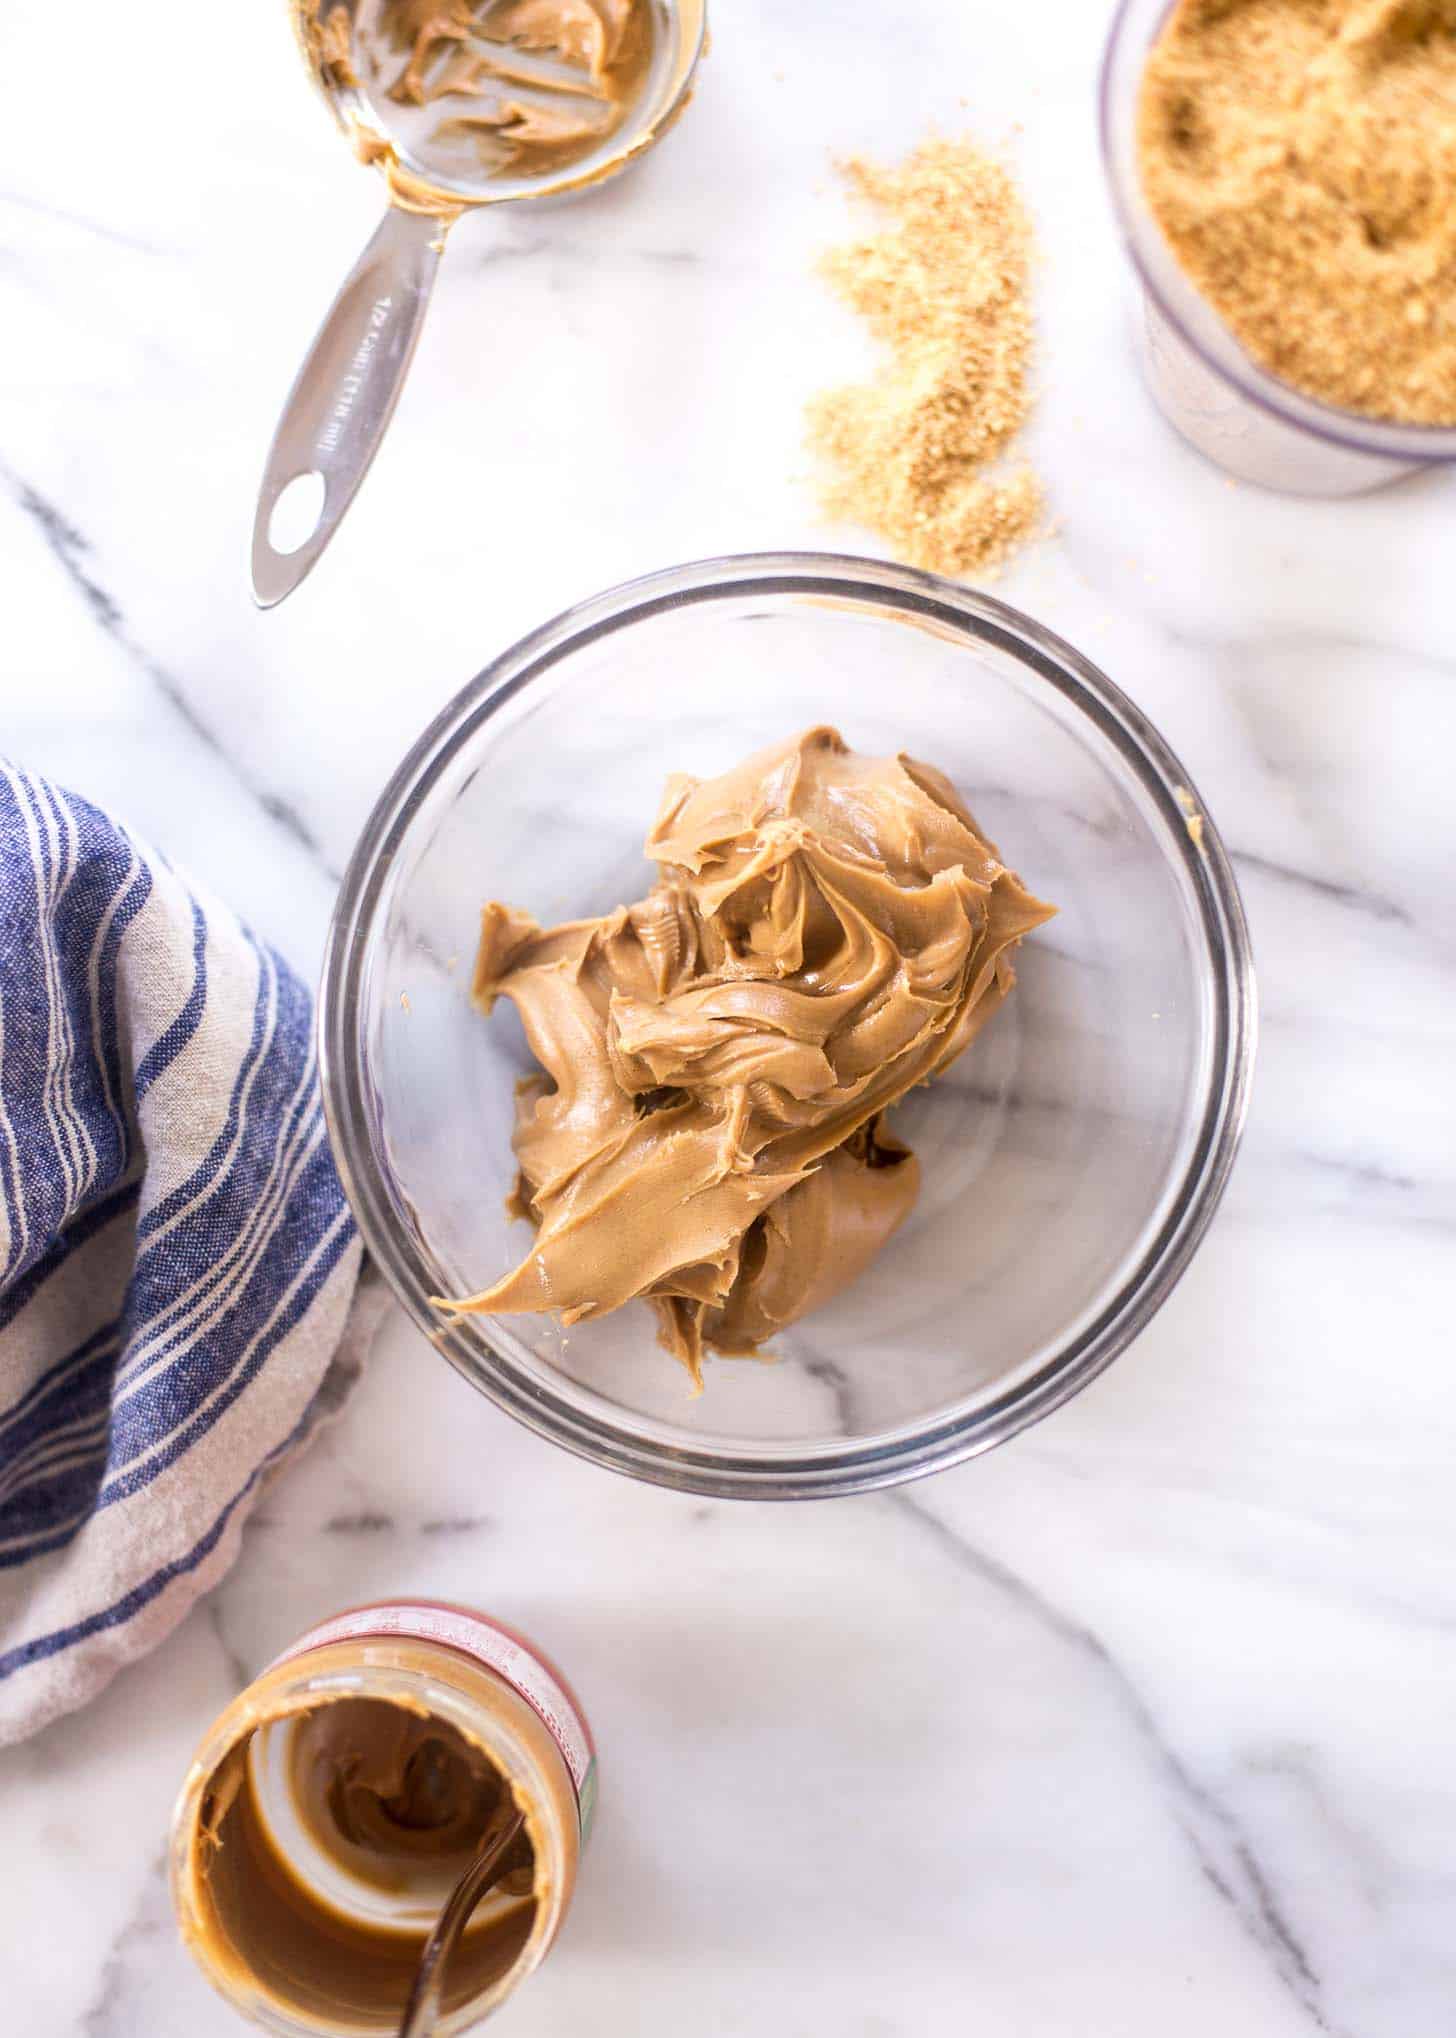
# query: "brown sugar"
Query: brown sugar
{"points": [[1300, 158], [917, 453]]}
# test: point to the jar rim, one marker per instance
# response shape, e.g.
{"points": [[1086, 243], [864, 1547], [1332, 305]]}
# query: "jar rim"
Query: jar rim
{"points": [[330, 1672]]}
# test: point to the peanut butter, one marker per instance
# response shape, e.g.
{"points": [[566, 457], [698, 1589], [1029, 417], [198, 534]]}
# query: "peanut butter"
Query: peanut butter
{"points": [[707, 1131], [331, 1812], [546, 80], [399, 1801]]}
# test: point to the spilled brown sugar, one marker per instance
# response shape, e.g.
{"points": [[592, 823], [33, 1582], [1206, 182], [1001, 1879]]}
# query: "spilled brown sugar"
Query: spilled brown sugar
{"points": [[1300, 158], [918, 453]]}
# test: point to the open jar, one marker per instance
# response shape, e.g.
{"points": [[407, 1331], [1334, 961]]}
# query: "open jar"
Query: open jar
{"points": [[1210, 390], [332, 1807]]}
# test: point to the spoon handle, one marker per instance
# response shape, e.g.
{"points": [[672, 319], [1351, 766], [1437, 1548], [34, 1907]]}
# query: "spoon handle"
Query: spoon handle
{"points": [[337, 410], [423, 2007]]}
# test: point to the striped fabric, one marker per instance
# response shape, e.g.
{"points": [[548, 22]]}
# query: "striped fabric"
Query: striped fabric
{"points": [[177, 1261]]}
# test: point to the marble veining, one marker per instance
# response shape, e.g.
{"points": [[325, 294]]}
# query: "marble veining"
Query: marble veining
{"points": [[1221, 1850], [1144, 1721]]}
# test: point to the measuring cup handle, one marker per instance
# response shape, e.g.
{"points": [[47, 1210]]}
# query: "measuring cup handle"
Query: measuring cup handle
{"points": [[337, 410]]}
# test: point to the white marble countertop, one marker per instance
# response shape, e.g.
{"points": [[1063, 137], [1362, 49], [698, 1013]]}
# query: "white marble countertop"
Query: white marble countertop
{"points": [[1143, 1723]]}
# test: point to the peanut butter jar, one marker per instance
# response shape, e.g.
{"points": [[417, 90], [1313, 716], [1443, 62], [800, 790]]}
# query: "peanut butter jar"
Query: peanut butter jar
{"points": [[332, 1807]]}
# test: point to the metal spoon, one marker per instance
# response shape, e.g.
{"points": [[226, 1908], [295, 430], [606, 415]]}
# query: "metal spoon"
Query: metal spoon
{"points": [[423, 2007], [347, 388]]}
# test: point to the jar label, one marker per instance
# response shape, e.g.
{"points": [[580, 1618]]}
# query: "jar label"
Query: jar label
{"points": [[500, 1649]]}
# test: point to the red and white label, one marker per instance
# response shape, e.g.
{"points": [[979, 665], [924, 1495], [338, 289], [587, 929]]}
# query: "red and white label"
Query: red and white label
{"points": [[508, 1654]]}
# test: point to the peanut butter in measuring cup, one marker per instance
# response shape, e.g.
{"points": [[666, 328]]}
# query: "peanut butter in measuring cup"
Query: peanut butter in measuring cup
{"points": [[334, 1805]]}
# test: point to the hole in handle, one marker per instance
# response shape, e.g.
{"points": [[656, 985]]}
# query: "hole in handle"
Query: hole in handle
{"points": [[296, 513]]}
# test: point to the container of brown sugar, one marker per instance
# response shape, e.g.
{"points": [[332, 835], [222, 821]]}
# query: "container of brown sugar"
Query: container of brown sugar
{"points": [[1282, 179], [330, 1810]]}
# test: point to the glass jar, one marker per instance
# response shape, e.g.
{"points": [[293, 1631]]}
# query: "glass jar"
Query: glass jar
{"points": [[285, 1929], [1223, 403]]}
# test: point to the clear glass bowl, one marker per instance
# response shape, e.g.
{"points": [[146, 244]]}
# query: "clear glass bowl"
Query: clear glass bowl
{"points": [[1071, 1160], [1237, 415]]}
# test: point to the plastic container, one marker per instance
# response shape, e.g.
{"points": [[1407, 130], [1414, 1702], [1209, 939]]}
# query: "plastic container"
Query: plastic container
{"points": [[1223, 403]]}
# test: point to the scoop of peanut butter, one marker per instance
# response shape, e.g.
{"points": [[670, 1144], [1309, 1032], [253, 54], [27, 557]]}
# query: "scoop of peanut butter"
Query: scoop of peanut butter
{"points": [[708, 1131], [546, 80]]}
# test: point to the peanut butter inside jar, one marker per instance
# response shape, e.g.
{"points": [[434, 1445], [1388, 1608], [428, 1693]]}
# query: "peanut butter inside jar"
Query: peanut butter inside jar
{"points": [[330, 1812]]}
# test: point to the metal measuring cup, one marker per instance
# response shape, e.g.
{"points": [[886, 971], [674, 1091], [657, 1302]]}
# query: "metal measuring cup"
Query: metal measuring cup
{"points": [[440, 157]]}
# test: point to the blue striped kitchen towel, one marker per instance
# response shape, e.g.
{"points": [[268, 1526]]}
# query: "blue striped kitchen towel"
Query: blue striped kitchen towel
{"points": [[177, 1261]]}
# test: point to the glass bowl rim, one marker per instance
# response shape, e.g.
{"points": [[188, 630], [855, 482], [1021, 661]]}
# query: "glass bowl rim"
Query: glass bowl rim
{"points": [[1157, 271], [844, 1465]]}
